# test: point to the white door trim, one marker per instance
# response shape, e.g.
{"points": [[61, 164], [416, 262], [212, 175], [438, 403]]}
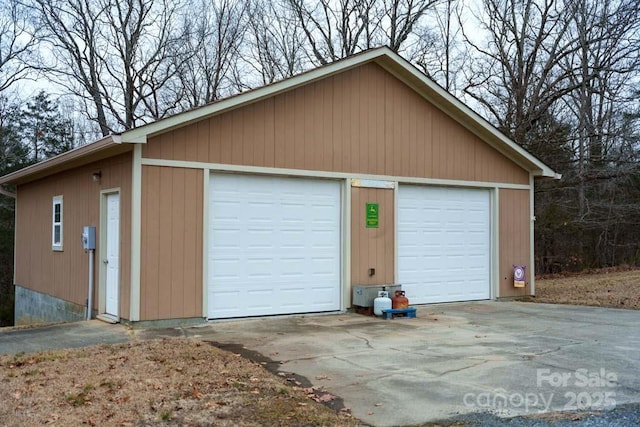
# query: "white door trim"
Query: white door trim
{"points": [[102, 249], [345, 244], [136, 233], [494, 274], [206, 176]]}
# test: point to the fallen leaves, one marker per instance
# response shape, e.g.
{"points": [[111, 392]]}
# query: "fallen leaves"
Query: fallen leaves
{"points": [[139, 383], [325, 398], [317, 394], [617, 289]]}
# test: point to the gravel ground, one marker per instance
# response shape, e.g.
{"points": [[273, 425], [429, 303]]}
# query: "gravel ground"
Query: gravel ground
{"points": [[622, 416]]}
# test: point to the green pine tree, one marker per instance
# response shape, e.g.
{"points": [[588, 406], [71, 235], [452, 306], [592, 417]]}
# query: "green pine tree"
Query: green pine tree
{"points": [[13, 156], [44, 130]]}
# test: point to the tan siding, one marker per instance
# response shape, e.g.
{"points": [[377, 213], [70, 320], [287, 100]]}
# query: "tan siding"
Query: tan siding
{"points": [[514, 239], [372, 247], [363, 121], [171, 256], [64, 274]]}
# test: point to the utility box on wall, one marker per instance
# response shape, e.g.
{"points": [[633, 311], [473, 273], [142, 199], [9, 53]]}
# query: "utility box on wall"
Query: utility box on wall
{"points": [[363, 295], [88, 237]]}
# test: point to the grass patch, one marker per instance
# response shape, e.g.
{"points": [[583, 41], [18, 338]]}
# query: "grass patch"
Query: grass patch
{"points": [[81, 398]]}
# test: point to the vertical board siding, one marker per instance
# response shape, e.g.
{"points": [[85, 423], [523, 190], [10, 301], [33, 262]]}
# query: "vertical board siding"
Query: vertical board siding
{"points": [[64, 274], [171, 255], [515, 248], [363, 120], [372, 247]]}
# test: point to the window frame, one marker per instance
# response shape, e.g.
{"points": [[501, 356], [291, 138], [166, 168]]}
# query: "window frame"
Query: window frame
{"points": [[57, 201]]}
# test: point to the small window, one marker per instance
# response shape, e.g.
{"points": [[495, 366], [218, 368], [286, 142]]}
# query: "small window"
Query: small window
{"points": [[56, 230]]}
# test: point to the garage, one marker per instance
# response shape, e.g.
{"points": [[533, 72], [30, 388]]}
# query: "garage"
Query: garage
{"points": [[273, 246], [279, 200], [444, 243]]}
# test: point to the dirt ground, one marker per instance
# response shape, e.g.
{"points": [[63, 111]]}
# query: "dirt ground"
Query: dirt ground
{"points": [[602, 288], [167, 382]]}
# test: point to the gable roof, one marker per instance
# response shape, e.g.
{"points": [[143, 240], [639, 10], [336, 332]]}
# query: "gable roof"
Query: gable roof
{"points": [[383, 56]]}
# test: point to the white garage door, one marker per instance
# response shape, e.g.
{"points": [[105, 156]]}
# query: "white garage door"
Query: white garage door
{"points": [[443, 244], [274, 246]]}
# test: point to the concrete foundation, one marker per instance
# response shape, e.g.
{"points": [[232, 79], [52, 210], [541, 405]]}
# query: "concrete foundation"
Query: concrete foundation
{"points": [[33, 307], [166, 323]]}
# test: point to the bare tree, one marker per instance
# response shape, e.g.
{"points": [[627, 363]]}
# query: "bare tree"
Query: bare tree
{"points": [[210, 48], [275, 49], [604, 65], [115, 55], [73, 49], [517, 77], [400, 17], [17, 42], [608, 55], [142, 39], [438, 50], [335, 29], [558, 77]]}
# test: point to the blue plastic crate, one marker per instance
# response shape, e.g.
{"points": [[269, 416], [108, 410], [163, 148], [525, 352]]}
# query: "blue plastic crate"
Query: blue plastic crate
{"points": [[408, 312]]}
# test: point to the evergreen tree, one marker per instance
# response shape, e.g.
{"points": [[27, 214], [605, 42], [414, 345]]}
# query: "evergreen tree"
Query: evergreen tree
{"points": [[45, 131], [13, 154], [12, 157]]}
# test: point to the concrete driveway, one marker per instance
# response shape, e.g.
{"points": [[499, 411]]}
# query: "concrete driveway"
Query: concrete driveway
{"points": [[63, 335], [505, 357]]}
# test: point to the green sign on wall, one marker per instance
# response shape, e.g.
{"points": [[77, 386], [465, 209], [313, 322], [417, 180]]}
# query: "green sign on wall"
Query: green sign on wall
{"points": [[372, 215]]}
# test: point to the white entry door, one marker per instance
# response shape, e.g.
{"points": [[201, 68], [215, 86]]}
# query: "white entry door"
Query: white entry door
{"points": [[112, 259], [274, 246], [444, 243]]}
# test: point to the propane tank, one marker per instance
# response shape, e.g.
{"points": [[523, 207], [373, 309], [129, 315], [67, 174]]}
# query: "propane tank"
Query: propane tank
{"points": [[383, 302], [399, 300]]}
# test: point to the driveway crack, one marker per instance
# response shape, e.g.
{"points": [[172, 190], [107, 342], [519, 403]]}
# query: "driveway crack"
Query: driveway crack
{"points": [[451, 371], [366, 340]]}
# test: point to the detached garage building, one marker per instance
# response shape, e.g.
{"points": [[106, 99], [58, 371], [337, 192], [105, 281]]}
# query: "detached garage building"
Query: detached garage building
{"points": [[278, 200]]}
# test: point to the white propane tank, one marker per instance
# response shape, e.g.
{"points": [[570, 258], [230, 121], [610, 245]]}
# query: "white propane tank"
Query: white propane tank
{"points": [[383, 302]]}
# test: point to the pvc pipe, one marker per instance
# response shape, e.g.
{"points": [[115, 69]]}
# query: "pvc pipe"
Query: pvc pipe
{"points": [[90, 299]]}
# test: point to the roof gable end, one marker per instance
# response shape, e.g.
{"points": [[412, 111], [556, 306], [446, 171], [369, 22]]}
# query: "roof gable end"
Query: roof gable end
{"points": [[391, 62]]}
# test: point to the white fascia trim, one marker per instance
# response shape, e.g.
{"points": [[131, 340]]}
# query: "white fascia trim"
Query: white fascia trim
{"points": [[205, 242], [346, 244], [140, 134], [440, 92], [369, 183], [495, 244], [7, 193], [15, 241], [532, 224], [329, 175], [136, 233], [76, 153], [396, 224]]}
